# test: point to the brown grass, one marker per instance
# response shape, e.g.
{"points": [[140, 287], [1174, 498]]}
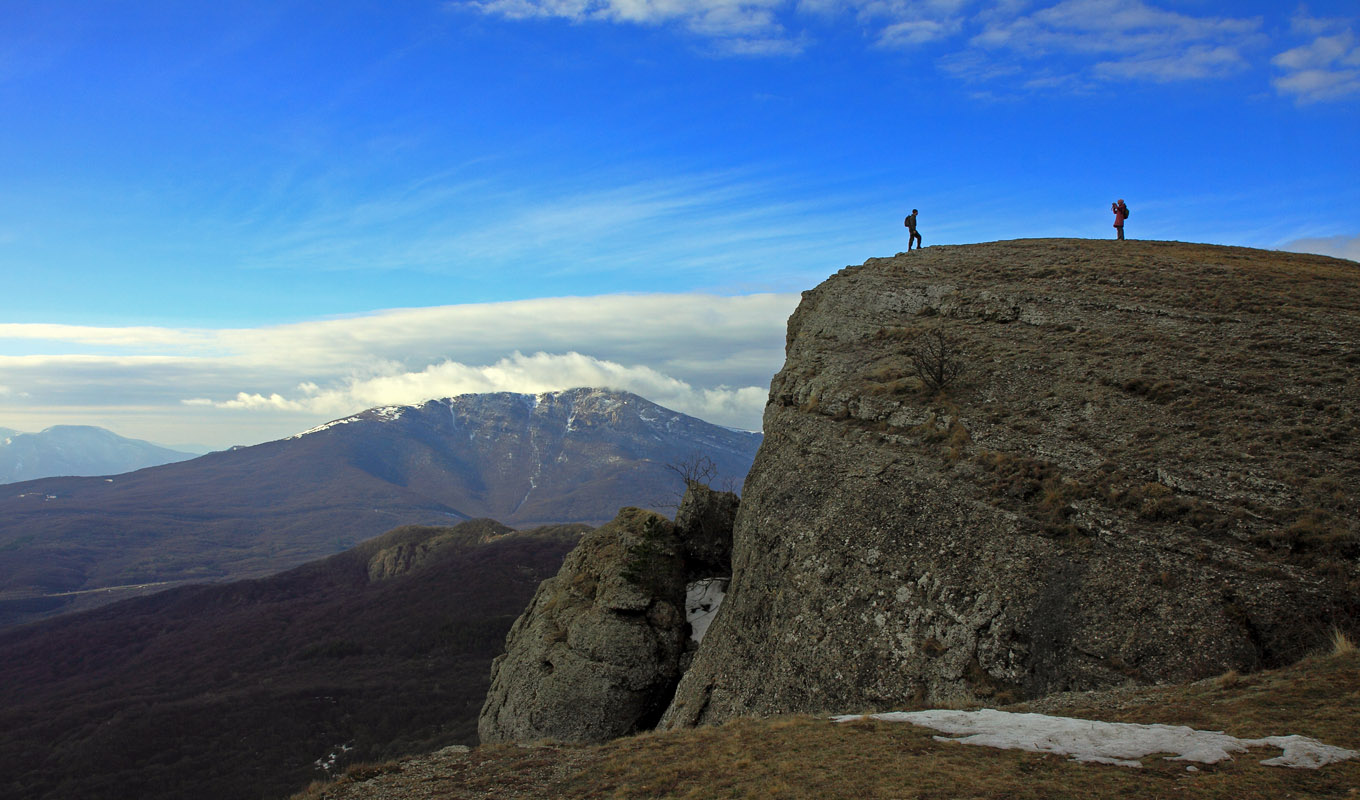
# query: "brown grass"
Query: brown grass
{"points": [[802, 757]]}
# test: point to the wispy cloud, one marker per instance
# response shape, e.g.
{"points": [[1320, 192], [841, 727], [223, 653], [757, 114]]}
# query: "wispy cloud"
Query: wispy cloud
{"points": [[738, 27], [1326, 67], [699, 223], [1090, 41], [1071, 45]]}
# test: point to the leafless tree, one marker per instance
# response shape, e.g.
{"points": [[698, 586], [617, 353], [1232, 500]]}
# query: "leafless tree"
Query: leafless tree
{"points": [[936, 360], [695, 468]]}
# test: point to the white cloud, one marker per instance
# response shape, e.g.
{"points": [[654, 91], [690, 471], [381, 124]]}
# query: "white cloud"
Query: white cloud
{"points": [[1338, 246], [747, 27], [1117, 40], [1325, 68], [110, 337], [911, 32]]}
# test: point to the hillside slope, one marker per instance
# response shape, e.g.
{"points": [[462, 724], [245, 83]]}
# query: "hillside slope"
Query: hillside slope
{"points": [[562, 457], [1149, 471], [238, 690]]}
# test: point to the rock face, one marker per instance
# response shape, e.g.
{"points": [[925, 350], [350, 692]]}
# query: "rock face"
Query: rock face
{"points": [[597, 653], [1148, 471]]}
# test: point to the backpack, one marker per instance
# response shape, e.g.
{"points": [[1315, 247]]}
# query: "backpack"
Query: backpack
{"points": [[1125, 209]]}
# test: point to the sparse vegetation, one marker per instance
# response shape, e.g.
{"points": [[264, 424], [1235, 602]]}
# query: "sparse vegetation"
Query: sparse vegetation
{"points": [[937, 360], [233, 691], [807, 758]]}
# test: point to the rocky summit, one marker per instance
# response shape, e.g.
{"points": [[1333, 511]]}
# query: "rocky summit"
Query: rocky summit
{"points": [[1003, 470]]}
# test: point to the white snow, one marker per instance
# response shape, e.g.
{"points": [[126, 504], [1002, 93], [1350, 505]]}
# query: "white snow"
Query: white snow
{"points": [[702, 599], [387, 413], [325, 426], [327, 762], [1119, 743], [390, 412]]}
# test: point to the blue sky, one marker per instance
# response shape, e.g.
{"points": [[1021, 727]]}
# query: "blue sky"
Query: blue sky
{"points": [[222, 223]]}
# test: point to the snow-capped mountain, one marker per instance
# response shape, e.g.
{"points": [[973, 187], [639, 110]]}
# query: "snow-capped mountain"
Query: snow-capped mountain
{"points": [[569, 456], [76, 450], [523, 460]]}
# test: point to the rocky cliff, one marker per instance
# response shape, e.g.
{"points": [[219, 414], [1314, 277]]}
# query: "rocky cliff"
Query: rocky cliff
{"points": [[1142, 465]]}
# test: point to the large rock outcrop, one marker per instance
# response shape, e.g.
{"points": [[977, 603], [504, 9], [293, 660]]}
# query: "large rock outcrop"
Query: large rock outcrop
{"points": [[1147, 471], [597, 653]]}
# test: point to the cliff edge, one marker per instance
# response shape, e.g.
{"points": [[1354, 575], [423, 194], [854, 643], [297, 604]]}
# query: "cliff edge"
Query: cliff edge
{"points": [[1142, 466]]}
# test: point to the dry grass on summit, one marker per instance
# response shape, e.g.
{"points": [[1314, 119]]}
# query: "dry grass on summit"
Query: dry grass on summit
{"points": [[802, 758]]}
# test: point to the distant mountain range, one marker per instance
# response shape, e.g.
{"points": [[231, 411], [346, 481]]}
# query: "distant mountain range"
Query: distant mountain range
{"points": [[575, 456], [76, 450], [247, 689]]}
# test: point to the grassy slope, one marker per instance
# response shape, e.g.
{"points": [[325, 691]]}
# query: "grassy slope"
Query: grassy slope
{"points": [[805, 757]]}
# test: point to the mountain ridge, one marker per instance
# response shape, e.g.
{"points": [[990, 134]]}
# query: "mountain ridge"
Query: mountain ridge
{"points": [[562, 457], [77, 450]]}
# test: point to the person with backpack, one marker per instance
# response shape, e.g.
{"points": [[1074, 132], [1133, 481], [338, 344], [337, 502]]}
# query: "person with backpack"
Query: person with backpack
{"points": [[1121, 213], [910, 222]]}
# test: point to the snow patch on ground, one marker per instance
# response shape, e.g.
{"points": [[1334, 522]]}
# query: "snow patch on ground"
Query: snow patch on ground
{"points": [[1119, 743], [702, 599], [329, 761]]}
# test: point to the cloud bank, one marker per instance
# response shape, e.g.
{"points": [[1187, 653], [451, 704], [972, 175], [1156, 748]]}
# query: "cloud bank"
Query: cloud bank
{"points": [[704, 355], [541, 372]]}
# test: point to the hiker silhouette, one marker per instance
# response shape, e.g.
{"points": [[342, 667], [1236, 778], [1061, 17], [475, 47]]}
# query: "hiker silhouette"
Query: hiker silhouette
{"points": [[910, 222]]}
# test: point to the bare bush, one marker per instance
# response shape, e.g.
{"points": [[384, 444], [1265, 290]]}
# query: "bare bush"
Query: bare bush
{"points": [[695, 468], [936, 360]]}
